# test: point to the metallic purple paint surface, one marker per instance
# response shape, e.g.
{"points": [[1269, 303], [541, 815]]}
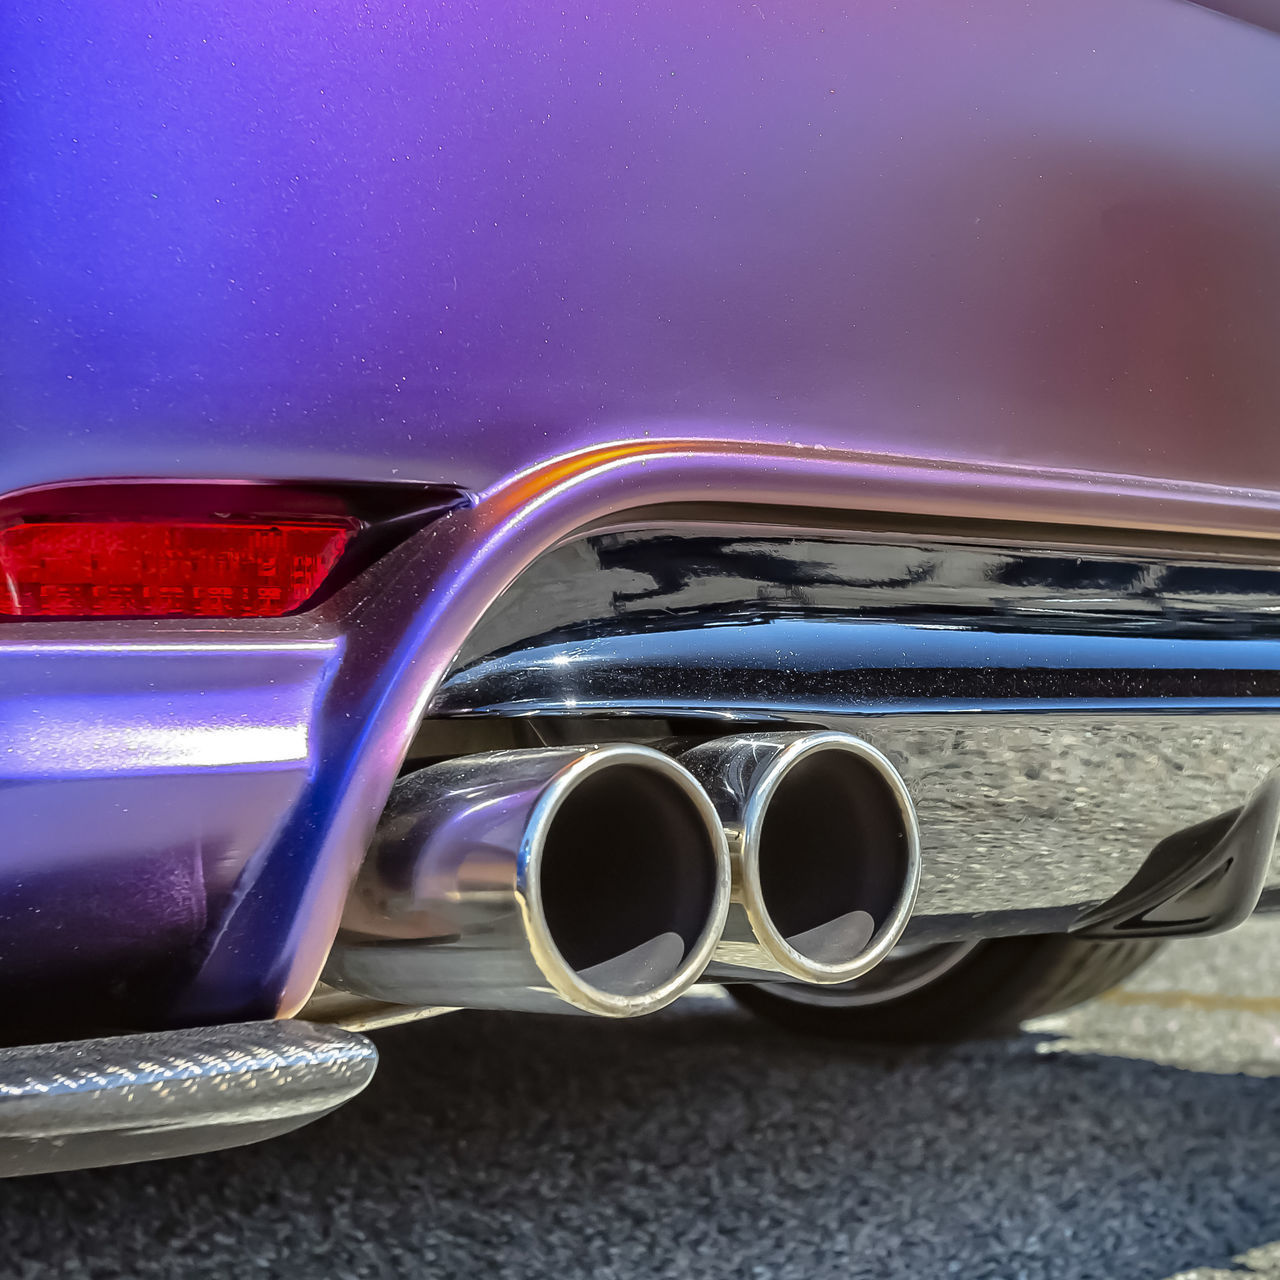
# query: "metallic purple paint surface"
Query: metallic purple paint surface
{"points": [[141, 778], [448, 241], [452, 243]]}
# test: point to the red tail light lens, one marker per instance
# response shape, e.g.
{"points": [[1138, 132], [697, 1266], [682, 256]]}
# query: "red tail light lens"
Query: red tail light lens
{"points": [[82, 568]]}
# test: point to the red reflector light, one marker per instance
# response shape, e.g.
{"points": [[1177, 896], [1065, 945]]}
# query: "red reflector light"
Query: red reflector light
{"points": [[153, 569]]}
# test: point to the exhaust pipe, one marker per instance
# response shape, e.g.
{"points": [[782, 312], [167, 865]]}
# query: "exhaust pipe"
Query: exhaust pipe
{"points": [[825, 850], [596, 876]]}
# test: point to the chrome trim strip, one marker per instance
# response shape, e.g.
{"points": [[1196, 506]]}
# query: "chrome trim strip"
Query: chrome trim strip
{"points": [[778, 667]]}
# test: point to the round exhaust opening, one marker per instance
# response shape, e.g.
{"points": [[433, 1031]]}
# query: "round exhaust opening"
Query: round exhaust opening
{"points": [[630, 876], [836, 855]]}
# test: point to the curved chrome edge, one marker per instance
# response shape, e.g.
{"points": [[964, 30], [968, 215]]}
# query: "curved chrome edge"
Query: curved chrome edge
{"points": [[788, 959], [566, 982], [863, 665]]}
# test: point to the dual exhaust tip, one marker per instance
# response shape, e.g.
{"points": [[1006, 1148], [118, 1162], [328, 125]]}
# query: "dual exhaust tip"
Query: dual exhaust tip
{"points": [[612, 878]]}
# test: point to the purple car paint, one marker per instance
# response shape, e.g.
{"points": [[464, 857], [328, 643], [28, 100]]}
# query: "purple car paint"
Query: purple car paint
{"points": [[961, 260], [445, 242]]}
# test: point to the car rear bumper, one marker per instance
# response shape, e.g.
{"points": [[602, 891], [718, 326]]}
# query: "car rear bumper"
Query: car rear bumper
{"points": [[185, 804]]}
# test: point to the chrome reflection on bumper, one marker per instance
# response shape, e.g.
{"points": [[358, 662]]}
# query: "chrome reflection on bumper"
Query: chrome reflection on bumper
{"points": [[1027, 821], [1055, 712]]}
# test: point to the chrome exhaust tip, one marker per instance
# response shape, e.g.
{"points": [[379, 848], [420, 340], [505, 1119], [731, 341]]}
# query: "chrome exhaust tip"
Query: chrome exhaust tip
{"points": [[593, 876], [825, 848]]}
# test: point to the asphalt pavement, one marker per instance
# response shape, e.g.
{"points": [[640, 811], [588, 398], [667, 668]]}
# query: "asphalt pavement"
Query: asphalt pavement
{"points": [[1137, 1137]]}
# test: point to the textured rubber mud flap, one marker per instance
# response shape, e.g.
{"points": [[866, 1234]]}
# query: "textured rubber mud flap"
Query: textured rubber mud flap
{"points": [[143, 1097]]}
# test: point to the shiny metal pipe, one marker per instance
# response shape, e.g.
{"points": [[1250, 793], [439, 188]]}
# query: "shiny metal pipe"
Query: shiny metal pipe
{"points": [[825, 850], [593, 876]]}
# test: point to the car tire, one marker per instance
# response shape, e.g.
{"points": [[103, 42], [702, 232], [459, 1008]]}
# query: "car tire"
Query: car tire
{"points": [[953, 991]]}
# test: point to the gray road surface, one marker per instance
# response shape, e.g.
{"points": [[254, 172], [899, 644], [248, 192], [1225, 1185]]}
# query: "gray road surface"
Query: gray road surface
{"points": [[1136, 1138]]}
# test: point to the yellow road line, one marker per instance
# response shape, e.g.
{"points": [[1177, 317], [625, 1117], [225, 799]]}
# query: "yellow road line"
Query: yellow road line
{"points": [[1195, 1000]]}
